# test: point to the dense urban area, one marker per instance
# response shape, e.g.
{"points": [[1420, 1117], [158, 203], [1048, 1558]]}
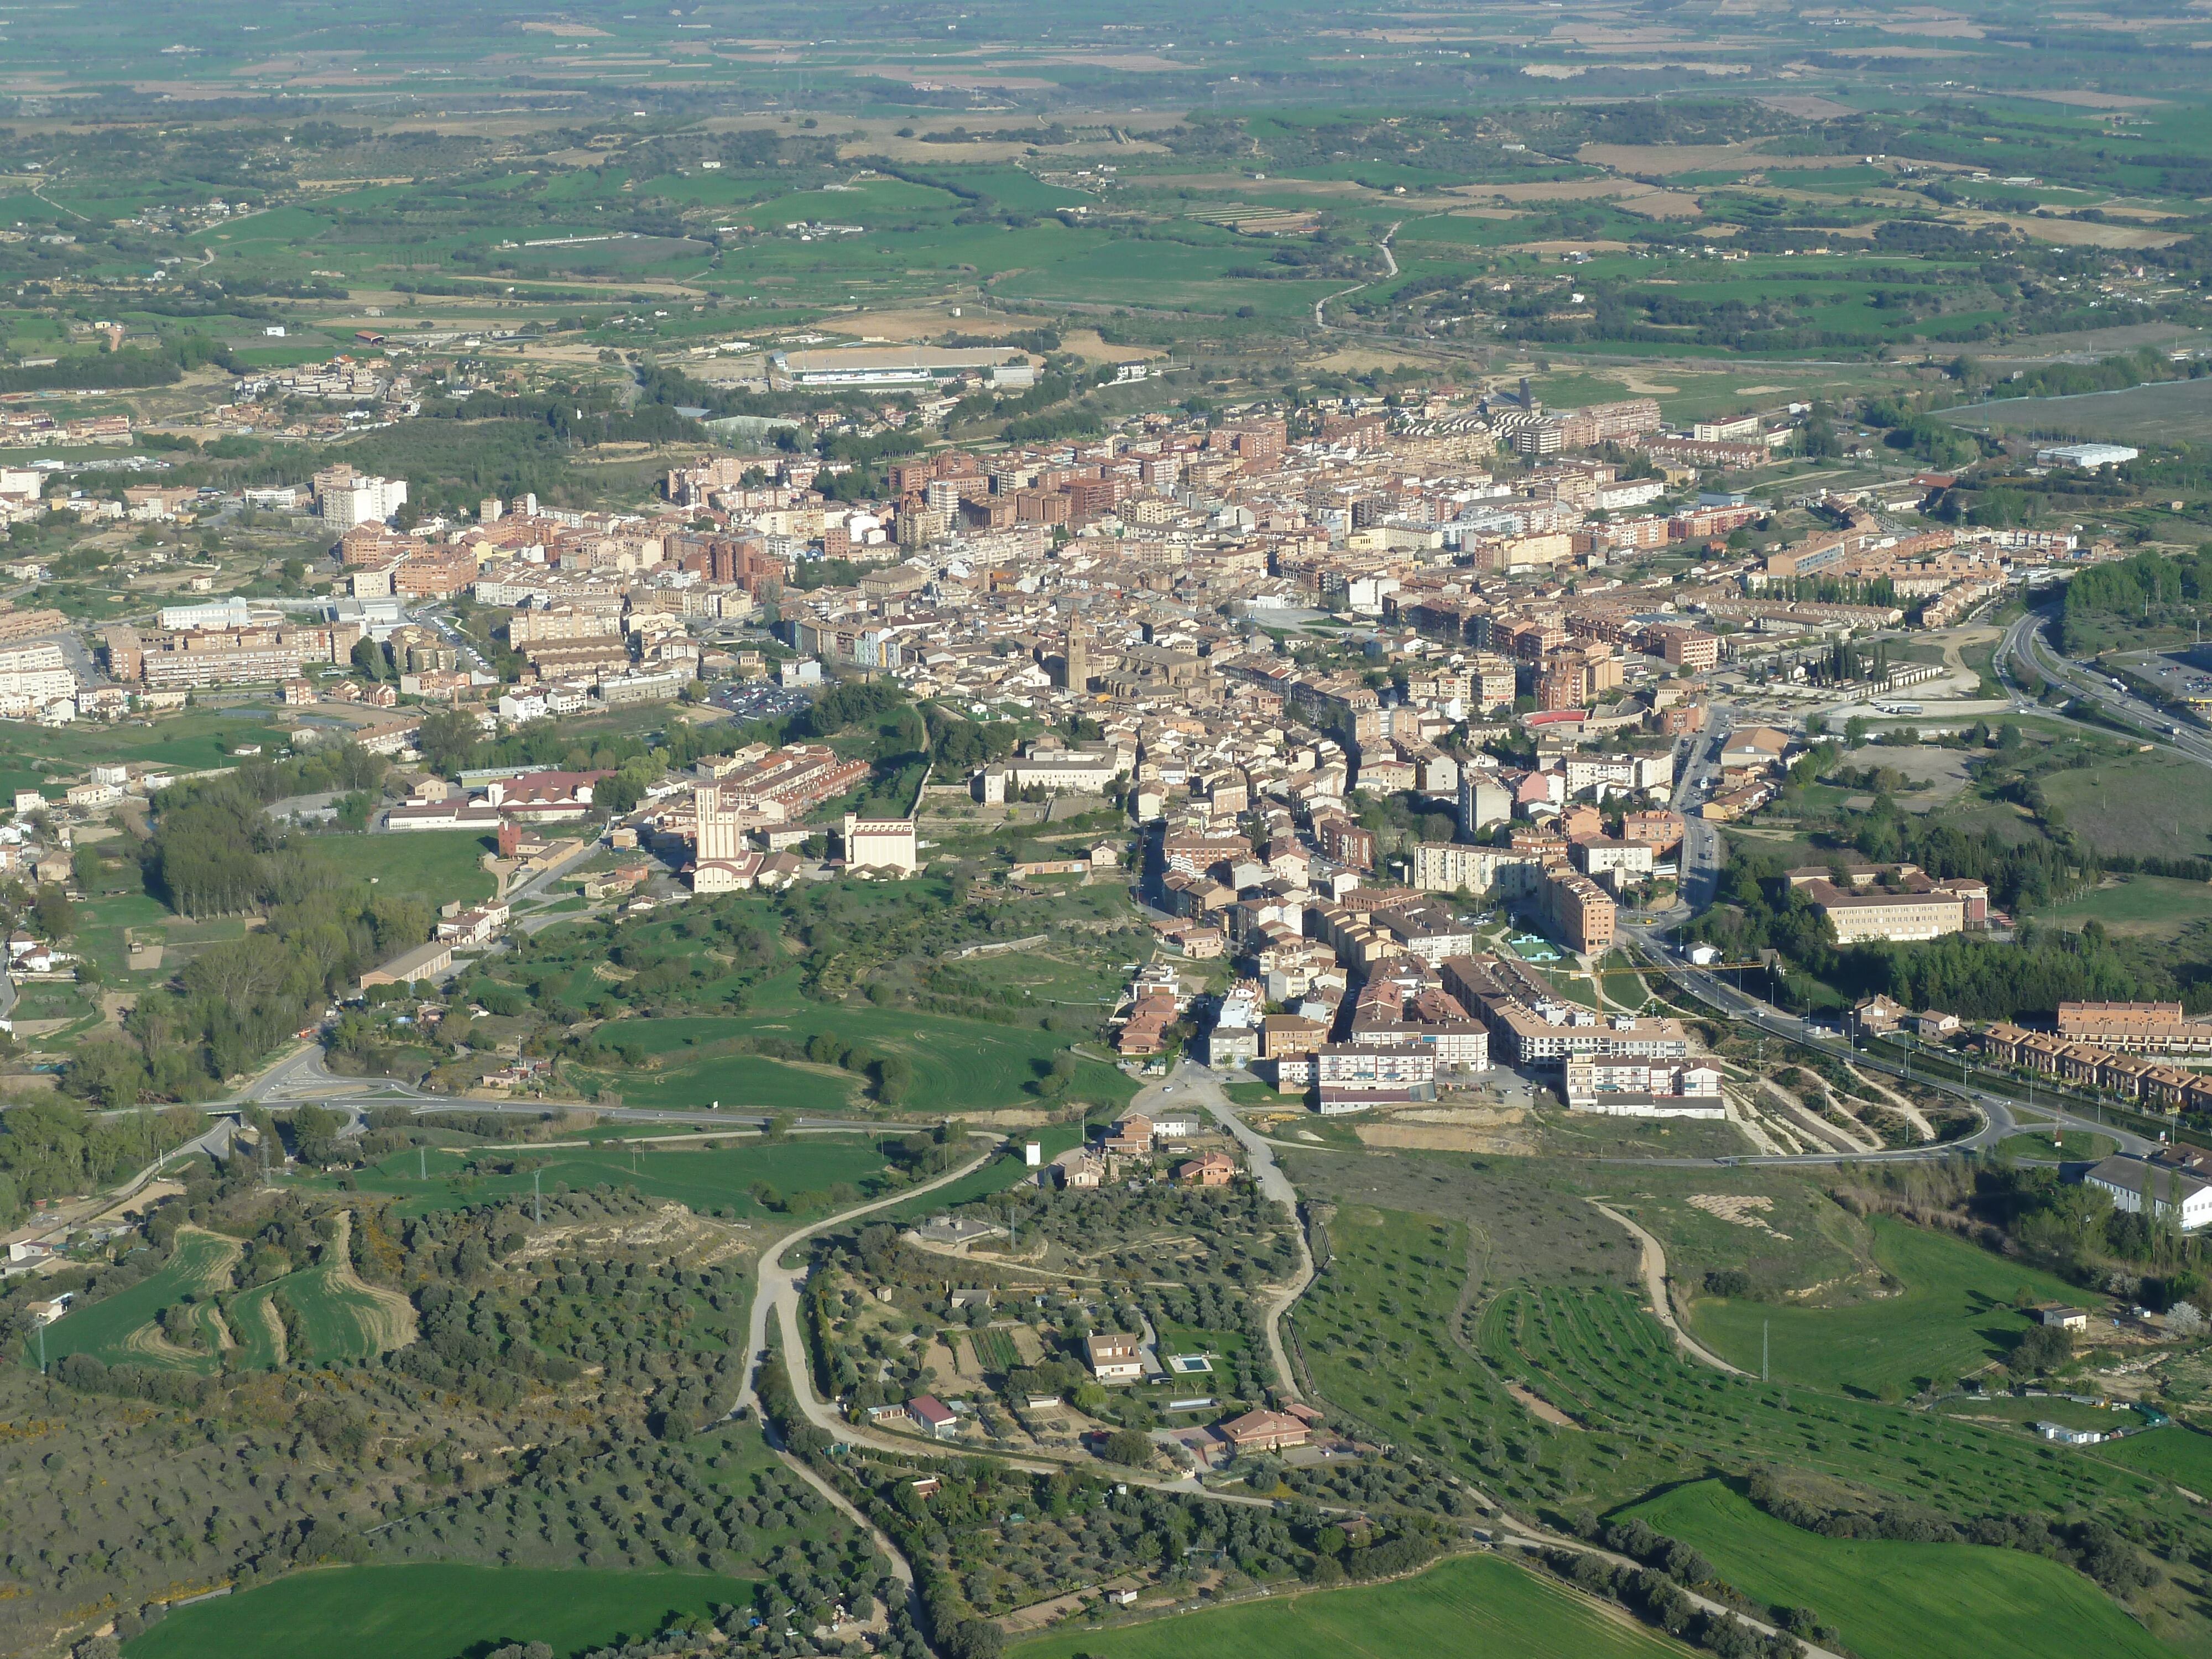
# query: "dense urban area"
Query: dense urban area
{"points": [[969, 833]]}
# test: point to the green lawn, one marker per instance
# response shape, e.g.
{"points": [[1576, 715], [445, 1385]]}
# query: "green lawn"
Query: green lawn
{"points": [[1473, 1606], [959, 1065], [435, 1611], [706, 1180], [436, 864], [1952, 1317], [739, 1083], [1892, 1600]]}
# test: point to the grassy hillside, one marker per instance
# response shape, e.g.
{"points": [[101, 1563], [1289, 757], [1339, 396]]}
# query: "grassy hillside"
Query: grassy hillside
{"points": [[1472, 1607], [1953, 1315], [432, 1611], [1892, 1600]]}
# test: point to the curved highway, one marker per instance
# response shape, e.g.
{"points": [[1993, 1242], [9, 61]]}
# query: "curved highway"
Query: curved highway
{"points": [[1997, 1111], [2024, 646]]}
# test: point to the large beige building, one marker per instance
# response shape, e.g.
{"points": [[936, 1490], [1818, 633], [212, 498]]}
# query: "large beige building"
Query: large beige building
{"points": [[1448, 866], [1577, 912], [880, 844], [1867, 912]]}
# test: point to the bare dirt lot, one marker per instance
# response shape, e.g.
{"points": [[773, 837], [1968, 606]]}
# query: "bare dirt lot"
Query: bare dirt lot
{"points": [[1502, 1131], [1944, 770]]}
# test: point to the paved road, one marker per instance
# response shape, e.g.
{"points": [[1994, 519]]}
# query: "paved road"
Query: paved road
{"points": [[1703, 849], [1998, 1112], [1191, 1083], [54, 1224], [2025, 645], [778, 1291], [1389, 260]]}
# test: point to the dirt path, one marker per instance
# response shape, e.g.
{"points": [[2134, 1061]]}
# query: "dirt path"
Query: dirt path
{"points": [[1655, 1286], [1746, 1119], [1202, 1086], [1905, 1109], [393, 1325], [1833, 1136], [901, 1568]]}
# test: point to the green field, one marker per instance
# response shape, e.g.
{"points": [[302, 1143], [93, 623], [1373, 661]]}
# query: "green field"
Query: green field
{"points": [[252, 1317], [2173, 411], [995, 1349], [1427, 1331], [1893, 1601], [2151, 805], [436, 864], [1954, 1317], [2044, 1408], [711, 1180], [2175, 1454], [1006, 1170], [1471, 1608], [194, 741], [959, 1065], [435, 1611], [2155, 907], [106, 1328], [738, 1083], [338, 1321]]}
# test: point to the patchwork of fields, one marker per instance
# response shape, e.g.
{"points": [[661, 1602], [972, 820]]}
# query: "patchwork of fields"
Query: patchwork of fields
{"points": [[312, 1314]]}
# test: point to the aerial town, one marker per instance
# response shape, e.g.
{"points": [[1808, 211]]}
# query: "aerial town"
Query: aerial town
{"points": [[954, 835]]}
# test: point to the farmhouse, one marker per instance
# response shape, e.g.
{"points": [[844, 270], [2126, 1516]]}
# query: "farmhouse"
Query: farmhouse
{"points": [[1208, 1170], [1266, 1430], [1112, 1356], [934, 1416]]}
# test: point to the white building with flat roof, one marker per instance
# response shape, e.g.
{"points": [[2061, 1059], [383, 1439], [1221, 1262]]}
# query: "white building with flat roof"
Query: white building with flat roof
{"points": [[2087, 457]]}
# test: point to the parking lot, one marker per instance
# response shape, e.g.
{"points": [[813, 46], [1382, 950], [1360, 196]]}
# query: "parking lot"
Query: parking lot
{"points": [[759, 700]]}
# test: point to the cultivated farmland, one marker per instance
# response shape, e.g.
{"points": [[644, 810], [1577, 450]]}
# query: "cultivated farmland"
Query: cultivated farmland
{"points": [[432, 1611], [1897, 1600], [1472, 1607]]}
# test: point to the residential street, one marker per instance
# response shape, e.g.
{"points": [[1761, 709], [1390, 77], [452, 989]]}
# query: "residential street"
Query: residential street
{"points": [[1192, 1083]]}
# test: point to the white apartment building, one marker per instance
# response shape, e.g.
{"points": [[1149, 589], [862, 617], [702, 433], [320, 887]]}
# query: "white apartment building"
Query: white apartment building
{"points": [[344, 498], [35, 673], [1619, 1087]]}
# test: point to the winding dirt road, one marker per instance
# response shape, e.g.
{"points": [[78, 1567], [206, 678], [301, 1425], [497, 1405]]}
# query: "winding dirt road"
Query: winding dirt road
{"points": [[1655, 1286]]}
